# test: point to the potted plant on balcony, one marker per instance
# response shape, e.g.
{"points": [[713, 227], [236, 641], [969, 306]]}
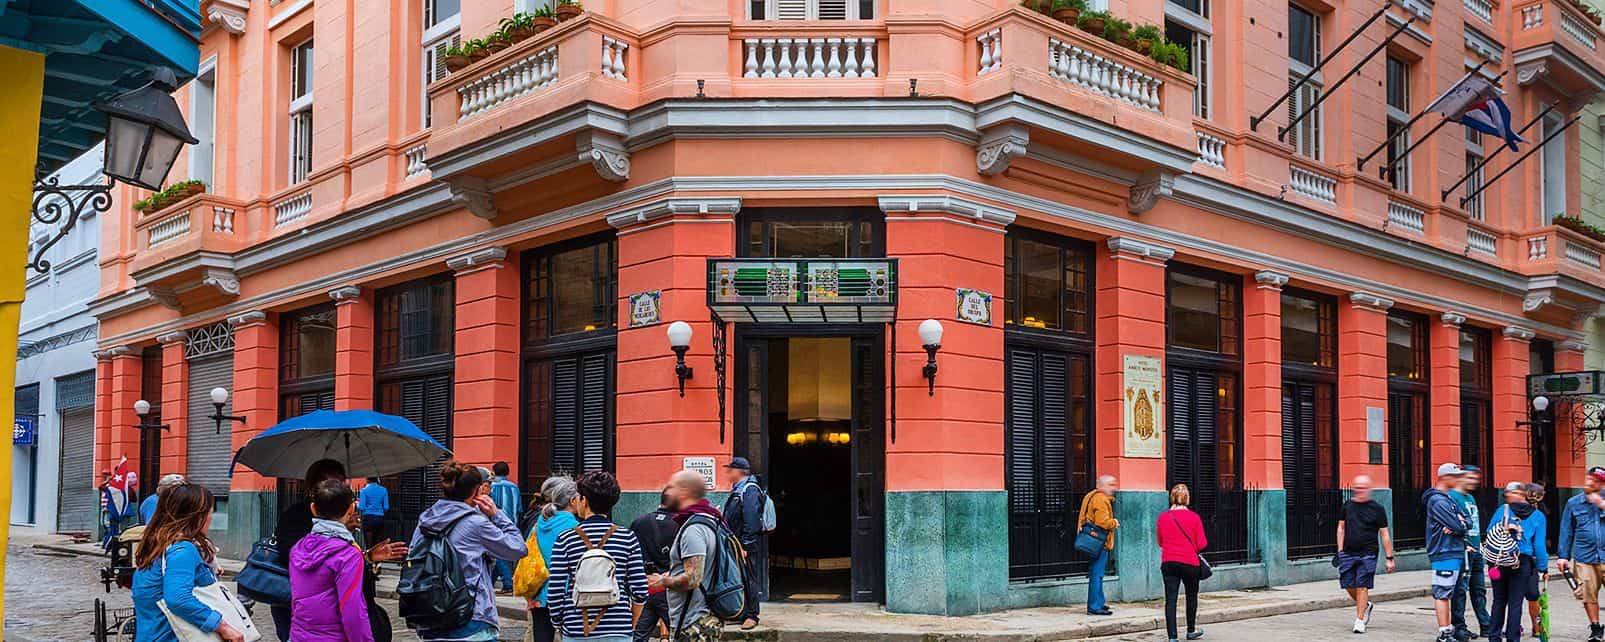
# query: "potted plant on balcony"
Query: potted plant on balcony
{"points": [[1579, 226], [1068, 11], [456, 58], [567, 9], [192, 187], [142, 205], [497, 41], [1173, 54], [518, 27], [1093, 21], [542, 19], [475, 50], [1144, 37], [1117, 30]]}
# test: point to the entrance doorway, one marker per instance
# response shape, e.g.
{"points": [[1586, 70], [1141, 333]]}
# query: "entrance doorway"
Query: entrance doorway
{"points": [[810, 418]]}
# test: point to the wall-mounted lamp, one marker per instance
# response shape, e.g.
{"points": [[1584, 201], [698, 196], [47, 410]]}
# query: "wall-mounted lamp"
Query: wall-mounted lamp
{"points": [[220, 397], [680, 342], [142, 408], [931, 338], [1540, 403]]}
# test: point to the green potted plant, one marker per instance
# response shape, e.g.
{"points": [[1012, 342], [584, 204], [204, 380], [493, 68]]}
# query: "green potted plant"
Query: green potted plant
{"points": [[567, 9], [475, 50], [496, 41], [142, 205], [1117, 30], [193, 187], [518, 27], [1173, 54], [1144, 37], [1093, 21], [542, 19], [456, 58], [1068, 11]]}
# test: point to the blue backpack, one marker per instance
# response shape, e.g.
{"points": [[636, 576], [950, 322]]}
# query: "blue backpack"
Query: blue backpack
{"points": [[725, 579]]}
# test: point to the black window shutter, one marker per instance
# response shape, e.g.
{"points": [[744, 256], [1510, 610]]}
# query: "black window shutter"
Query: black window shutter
{"points": [[1179, 462], [595, 421], [565, 416], [1022, 420]]}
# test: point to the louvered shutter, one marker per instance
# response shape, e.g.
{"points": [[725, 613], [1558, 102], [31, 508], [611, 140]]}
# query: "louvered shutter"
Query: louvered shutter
{"points": [[1306, 136], [1179, 449], [791, 9], [582, 413], [595, 422], [426, 402], [210, 448], [832, 9], [77, 501], [435, 58], [1206, 469], [565, 399], [1290, 453], [1022, 421], [1055, 464]]}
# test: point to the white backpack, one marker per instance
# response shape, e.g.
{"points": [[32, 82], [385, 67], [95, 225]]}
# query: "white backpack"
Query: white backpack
{"points": [[595, 584]]}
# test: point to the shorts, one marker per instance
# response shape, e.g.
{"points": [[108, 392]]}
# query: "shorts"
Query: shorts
{"points": [[706, 628], [1589, 579], [1445, 576], [1356, 571]]}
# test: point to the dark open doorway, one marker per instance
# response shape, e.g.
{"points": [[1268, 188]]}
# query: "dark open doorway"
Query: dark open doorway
{"points": [[810, 417]]}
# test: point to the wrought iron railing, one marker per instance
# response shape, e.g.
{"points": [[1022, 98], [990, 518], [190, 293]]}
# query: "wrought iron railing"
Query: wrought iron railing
{"points": [[1231, 522], [1312, 518], [1409, 523]]}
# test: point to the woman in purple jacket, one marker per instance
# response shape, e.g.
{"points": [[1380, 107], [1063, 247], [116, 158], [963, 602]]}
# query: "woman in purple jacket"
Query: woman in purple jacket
{"points": [[326, 568]]}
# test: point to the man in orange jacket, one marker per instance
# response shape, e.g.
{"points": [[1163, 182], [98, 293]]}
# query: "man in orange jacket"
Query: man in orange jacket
{"points": [[1098, 509]]}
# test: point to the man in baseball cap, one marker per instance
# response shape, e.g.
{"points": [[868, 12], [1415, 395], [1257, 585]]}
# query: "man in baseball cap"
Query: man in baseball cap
{"points": [[1446, 544], [744, 514], [1581, 549]]}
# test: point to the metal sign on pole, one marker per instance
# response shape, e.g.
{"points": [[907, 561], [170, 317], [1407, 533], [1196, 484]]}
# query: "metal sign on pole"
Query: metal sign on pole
{"points": [[1254, 121]]}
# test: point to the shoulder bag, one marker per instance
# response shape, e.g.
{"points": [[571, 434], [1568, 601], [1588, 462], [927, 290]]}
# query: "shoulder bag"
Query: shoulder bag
{"points": [[264, 579], [1204, 569], [218, 598], [1499, 546], [1090, 538]]}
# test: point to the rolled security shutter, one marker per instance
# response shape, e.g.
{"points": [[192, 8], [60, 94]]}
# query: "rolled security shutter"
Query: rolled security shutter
{"points": [[210, 449], [77, 502]]}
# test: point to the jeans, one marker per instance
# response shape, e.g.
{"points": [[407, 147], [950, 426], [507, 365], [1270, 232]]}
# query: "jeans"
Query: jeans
{"points": [[1473, 581], [1514, 586], [540, 626], [503, 573], [1095, 573], [758, 572], [1177, 574], [654, 612]]}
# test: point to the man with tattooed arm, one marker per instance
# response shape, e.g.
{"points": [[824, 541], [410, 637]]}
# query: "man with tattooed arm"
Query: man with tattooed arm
{"points": [[689, 617]]}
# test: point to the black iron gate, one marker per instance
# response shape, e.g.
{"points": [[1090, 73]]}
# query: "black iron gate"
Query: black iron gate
{"points": [[1309, 469], [1049, 456]]}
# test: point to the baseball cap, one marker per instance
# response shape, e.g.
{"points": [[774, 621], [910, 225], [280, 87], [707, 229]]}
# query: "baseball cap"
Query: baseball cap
{"points": [[1450, 469], [1597, 473], [1515, 487], [739, 463]]}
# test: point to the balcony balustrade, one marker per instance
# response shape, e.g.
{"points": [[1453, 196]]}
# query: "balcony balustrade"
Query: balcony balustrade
{"points": [[809, 58], [1406, 216], [1555, 42], [204, 222], [1312, 185]]}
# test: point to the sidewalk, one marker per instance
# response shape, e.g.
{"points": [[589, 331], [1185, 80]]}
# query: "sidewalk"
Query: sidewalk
{"points": [[792, 622]]}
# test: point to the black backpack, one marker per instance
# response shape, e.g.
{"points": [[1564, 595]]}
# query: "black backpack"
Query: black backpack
{"points": [[432, 591]]}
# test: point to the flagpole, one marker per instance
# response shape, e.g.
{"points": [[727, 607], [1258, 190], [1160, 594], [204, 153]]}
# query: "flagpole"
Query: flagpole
{"points": [[1486, 159], [1406, 129], [1254, 121], [1391, 159], [1281, 132], [1530, 152]]}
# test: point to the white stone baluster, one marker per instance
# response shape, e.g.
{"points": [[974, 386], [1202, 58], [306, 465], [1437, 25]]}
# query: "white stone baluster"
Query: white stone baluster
{"points": [[833, 69], [868, 64], [852, 57], [751, 67], [768, 58]]}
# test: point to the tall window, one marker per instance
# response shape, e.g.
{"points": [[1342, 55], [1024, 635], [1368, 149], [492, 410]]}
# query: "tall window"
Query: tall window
{"points": [[1309, 426], [1187, 23], [1304, 53], [441, 23], [414, 327], [306, 373], [569, 357], [150, 441], [301, 67], [1554, 169], [1204, 367], [203, 124], [1047, 390], [811, 9], [1398, 89], [1474, 157], [1476, 398]]}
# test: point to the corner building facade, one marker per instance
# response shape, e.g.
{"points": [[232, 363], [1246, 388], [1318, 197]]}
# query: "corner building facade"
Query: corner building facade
{"points": [[1131, 279]]}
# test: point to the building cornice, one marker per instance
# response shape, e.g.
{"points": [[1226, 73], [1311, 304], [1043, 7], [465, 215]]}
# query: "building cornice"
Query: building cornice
{"points": [[947, 204], [674, 206]]}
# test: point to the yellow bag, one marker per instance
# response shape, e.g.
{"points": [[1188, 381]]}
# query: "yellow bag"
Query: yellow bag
{"points": [[531, 572]]}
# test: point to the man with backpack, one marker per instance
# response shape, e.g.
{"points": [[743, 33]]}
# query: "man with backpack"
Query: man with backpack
{"points": [[656, 531], [598, 580], [704, 581], [750, 515]]}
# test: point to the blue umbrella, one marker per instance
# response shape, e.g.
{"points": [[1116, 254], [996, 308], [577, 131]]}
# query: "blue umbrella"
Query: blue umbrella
{"points": [[370, 444]]}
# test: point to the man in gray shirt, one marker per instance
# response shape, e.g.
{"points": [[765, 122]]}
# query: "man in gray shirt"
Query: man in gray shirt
{"points": [[689, 617]]}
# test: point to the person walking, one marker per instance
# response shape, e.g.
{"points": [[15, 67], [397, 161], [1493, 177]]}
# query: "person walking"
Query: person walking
{"points": [[147, 506], [326, 570], [295, 522], [576, 556], [1098, 509], [483, 533], [1514, 584], [373, 503], [1446, 544], [1473, 579], [556, 517], [743, 513], [1581, 547], [1535, 496], [689, 617], [173, 558], [505, 493], [656, 531], [1362, 531], [1181, 539]]}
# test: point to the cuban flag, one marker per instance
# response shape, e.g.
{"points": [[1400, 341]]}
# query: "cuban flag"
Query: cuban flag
{"points": [[1477, 103]]}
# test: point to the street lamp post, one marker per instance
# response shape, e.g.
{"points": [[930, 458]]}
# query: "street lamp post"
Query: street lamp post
{"points": [[220, 397], [142, 408]]}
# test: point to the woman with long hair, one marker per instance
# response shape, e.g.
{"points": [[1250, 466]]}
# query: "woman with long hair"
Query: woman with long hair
{"points": [[1181, 539], [480, 534], [174, 557]]}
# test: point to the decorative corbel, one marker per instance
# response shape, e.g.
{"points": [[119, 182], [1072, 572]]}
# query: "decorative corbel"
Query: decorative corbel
{"points": [[605, 152], [176, 336], [1452, 319], [248, 318], [999, 147], [1271, 279], [1151, 186], [165, 296], [222, 280], [1530, 72], [489, 256], [474, 193], [345, 293], [228, 14], [1518, 333], [1369, 301], [1535, 301]]}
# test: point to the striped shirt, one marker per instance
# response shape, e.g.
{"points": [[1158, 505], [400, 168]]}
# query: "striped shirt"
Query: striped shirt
{"points": [[626, 552]]}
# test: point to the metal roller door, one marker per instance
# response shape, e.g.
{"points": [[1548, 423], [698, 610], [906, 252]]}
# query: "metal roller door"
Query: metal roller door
{"points": [[209, 448], [77, 505]]}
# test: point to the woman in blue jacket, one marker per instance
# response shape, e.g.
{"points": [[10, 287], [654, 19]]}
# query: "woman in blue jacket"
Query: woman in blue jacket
{"points": [[1512, 585], [174, 557]]}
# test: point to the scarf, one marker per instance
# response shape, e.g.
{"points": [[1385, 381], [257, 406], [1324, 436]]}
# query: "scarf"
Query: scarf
{"points": [[330, 528], [702, 507], [1521, 511]]}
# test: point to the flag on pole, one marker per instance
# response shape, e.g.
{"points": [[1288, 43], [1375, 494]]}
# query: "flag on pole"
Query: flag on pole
{"points": [[1477, 103], [120, 488]]}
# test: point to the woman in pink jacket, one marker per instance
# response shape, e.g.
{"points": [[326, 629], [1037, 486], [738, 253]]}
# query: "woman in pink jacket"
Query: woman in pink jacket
{"points": [[326, 566], [1181, 538]]}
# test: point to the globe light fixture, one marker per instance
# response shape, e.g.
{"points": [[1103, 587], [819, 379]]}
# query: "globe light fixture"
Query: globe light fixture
{"points": [[931, 338], [680, 342]]}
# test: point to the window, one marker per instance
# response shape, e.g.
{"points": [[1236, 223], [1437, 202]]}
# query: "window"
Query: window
{"points": [[1474, 171], [1398, 90], [203, 124], [1554, 169], [414, 324], [415, 320], [1050, 457], [301, 67], [1304, 54], [1407, 347], [572, 288], [1187, 23], [1203, 312], [1409, 459], [150, 441], [1047, 283], [307, 343], [1309, 426], [1476, 398], [441, 32], [813, 233], [1309, 334], [811, 9]]}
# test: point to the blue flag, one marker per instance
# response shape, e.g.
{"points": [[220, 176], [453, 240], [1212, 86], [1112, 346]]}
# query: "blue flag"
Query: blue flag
{"points": [[1477, 103]]}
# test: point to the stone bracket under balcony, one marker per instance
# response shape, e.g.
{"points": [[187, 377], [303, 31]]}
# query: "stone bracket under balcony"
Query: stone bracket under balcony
{"points": [[1554, 44]]}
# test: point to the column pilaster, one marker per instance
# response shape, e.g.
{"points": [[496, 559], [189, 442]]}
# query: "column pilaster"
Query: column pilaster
{"points": [[1130, 308], [353, 348], [256, 388], [1444, 359], [485, 376], [123, 437], [1512, 443], [1262, 380], [1362, 383]]}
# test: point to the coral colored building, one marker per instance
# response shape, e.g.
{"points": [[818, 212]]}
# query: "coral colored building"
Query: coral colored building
{"points": [[1131, 279]]}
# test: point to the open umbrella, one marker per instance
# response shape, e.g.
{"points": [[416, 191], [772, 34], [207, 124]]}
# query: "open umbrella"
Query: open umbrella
{"points": [[370, 444]]}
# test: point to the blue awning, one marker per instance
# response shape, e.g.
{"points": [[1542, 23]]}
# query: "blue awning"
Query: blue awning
{"points": [[96, 49]]}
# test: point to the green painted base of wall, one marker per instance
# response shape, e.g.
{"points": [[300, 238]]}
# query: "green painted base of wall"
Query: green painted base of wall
{"points": [[947, 552], [251, 516]]}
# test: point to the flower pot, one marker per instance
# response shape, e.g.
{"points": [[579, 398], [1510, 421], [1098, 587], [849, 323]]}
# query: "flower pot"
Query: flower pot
{"points": [[1143, 45], [478, 55], [453, 63], [1093, 26], [543, 23], [1067, 15], [496, 45], [566, 11], [194, 189], [518, 34]]}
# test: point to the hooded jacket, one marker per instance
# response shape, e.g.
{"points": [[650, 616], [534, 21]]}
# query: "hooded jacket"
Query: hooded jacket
{"points": [[475, 538], [326, 600], [1442, 512], [546, 532], [1531, 541]]}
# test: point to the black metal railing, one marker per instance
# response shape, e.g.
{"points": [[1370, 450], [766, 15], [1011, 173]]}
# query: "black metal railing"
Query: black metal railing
{"points": [[1409, 524], [1231, 522], [1312, 518]]}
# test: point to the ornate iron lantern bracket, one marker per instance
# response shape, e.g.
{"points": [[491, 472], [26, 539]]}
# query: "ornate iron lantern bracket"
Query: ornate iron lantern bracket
{"points": [[59, 207]]}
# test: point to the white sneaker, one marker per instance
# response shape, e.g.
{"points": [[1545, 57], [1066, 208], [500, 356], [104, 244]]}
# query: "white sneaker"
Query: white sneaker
{"points": [[1369, 606], [1359, 626]]}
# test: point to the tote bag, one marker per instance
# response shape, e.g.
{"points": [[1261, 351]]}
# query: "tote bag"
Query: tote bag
{"points": [[218, 598], [531, 572]]}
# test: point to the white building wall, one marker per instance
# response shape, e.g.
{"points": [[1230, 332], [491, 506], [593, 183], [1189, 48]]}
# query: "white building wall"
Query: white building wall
{"points": [[56, 338]]}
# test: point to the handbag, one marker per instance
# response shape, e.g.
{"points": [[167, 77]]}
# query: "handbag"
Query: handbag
{"points": [[1499, 547], [218, 598], [1090, 539], [264, 579], [1204, 569], [531, 572]]}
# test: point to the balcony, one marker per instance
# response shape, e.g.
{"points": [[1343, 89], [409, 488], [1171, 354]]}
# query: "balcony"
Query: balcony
{"points": [[183, 250], [1555, 249], [1554, 41]]}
